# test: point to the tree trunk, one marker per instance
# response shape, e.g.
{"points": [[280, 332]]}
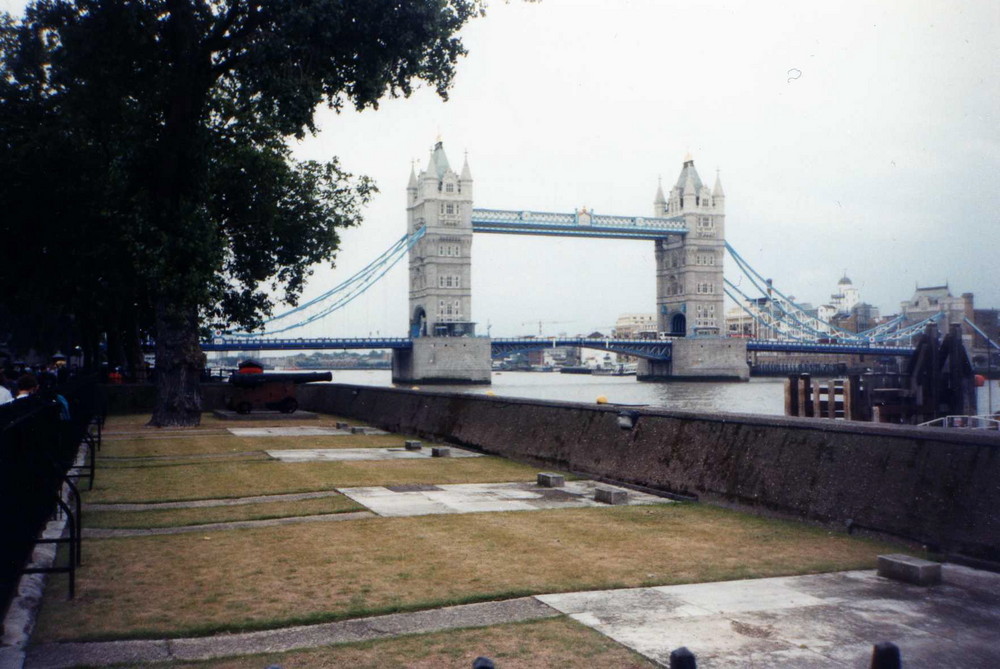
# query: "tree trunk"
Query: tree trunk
{"points": [[179, 362]]}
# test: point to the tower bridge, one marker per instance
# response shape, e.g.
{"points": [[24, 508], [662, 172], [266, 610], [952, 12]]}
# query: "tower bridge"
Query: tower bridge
{"points": [[687, 228]]}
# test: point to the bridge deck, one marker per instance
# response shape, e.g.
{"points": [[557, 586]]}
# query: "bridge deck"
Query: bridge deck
{"points": [[644, 348]]}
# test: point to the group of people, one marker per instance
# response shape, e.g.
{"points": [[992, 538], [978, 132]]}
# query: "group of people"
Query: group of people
{"points": [[17, 383], [25, 386]]}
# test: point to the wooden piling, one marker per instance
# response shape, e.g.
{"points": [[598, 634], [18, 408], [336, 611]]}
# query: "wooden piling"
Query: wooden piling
{"points": [[792, 395]]}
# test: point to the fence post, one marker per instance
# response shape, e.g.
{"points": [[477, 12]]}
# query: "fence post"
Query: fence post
{"points": [[885, 655], [682, 658]]}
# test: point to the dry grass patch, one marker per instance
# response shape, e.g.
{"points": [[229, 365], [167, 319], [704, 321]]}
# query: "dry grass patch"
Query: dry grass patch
{"points": [[272, 577], [141, 441], [557, 642], [214, 480], [137, 423], [218, 514], [224, 442]]}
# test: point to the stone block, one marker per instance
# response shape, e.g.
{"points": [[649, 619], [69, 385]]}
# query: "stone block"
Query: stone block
{"points": [[440, 452], [413, 445], [548, 480], [342, 426], [909, 569], [611, 496], [357, 430]]}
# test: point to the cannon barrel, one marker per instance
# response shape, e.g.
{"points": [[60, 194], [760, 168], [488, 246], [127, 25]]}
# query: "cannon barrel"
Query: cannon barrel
{"points": [[250, 380]]}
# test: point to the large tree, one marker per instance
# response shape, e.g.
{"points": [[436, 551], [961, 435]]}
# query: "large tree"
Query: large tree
{"points": [[148, 143]]}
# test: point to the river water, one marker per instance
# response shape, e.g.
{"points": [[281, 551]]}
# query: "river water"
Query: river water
{"points": [[760, 396]]}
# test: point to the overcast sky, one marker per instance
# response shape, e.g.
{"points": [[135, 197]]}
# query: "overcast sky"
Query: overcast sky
{"points": [[854, 136]]}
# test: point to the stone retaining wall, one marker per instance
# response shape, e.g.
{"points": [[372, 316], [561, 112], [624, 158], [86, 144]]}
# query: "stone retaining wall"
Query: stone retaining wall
{"points": [[941, 488]]}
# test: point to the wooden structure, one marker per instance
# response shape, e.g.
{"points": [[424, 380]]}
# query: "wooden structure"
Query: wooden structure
{"points": [[937, 381]]}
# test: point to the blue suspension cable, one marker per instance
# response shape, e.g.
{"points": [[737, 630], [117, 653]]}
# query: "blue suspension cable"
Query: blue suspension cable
{"points": [[370, 279], [357, 284]]}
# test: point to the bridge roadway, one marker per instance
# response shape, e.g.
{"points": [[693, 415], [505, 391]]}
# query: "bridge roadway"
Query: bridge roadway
{"points": [[651, 349]]}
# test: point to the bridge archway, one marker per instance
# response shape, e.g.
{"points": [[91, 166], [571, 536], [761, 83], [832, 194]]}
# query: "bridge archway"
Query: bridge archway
{"points": [[418, 323], [678, 325]]}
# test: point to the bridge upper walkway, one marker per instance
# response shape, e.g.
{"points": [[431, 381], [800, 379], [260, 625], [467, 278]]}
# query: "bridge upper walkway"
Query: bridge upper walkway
{"points": [[652, 349], [576, 224]]}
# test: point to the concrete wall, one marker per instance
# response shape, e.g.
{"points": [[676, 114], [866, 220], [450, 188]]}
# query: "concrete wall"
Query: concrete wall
{"points": [[705, 359], [941, 488], [443, 360]]}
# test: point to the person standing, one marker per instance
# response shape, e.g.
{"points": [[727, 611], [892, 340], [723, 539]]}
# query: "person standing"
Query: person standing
{"points": [[5, 395], [27, 384]]}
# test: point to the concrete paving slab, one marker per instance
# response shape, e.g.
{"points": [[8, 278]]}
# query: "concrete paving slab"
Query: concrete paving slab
{"points": [[358, 454], [483, 497], [823, 620], [291, 431], [224, 414]]}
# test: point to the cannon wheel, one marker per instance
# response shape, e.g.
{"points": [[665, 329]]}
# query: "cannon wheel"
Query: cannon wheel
{"points": [[243, 407], [289, 405]]}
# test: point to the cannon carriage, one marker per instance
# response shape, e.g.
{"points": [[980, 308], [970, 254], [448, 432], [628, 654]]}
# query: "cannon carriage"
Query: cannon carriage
{"points": [[253, 388]]}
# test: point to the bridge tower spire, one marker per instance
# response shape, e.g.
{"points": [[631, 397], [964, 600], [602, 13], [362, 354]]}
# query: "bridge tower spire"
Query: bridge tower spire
{"points": [[689, 288]]}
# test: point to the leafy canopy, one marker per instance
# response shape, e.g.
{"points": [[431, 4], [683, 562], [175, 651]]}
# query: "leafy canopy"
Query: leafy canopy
{"points": [[144, 144]]}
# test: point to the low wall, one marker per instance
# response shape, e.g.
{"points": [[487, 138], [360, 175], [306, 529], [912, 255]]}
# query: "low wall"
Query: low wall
{"points": [[940, 488]]}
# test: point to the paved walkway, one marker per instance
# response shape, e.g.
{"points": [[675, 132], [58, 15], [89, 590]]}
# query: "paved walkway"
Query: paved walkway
{"points": [[303, 431], [806, 622], [361, 454], [203, 503], [98, 533]]}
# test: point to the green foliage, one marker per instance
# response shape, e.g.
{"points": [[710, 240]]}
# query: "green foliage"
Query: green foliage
{"points": [[147, 176]]}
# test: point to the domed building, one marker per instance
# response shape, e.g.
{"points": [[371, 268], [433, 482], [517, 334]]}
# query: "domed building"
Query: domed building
{"points": [[846, 297]]}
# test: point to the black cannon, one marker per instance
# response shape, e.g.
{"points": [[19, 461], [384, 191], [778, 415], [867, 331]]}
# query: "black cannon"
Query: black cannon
{"points": [[269, 390]]}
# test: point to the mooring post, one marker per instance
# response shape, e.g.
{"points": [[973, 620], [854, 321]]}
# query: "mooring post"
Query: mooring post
{"points": [[804, 387], [792, 395]]}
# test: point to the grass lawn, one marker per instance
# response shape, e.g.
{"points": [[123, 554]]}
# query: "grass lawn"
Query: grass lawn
{"points": [[225, 479], [203, 583], [558, 642], [218, 514]]}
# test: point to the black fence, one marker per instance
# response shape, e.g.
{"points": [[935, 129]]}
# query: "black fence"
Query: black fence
{"points": [[885, 655], [40, 437]]}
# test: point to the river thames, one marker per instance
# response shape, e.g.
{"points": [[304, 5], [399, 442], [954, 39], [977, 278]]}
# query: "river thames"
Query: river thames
{"points": [[759, 396]]}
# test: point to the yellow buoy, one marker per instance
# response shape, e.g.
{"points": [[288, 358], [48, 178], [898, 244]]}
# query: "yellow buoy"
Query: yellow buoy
{"points": [[490, 393], [601, 399], [414, 387]]}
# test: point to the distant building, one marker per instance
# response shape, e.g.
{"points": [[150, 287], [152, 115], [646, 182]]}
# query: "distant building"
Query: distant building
{"points": [[762, 318], [846, 296], [635, 326], [927, 302]]}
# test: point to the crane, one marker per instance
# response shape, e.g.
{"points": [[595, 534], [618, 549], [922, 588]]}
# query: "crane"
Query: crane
{"points": [[546, 322]]}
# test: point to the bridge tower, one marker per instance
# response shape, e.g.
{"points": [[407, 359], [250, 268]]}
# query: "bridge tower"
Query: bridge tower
{"points": [[689, 285], [689, 288], [445, 348], [440, 201]]}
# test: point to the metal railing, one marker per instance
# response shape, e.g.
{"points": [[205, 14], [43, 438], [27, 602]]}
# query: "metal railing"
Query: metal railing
{"points": [[39, 475], [966, 422]]}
